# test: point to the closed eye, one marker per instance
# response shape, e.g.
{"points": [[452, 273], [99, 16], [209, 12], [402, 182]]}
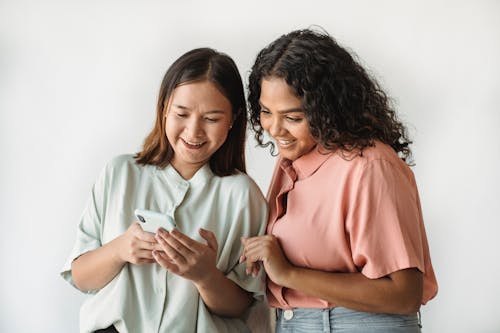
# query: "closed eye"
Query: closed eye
{"points": [[294, 119], [212, 120]]}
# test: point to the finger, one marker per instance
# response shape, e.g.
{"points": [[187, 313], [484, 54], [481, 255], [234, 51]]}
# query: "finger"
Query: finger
{"points": [[254, 241], [251, 260], [257, 243], [171, 251], [145, 254], [145, 236], [254, 255], [242, 258], [189, 243], [248, 268], [157, 247], [244, 241], [175, 243], [145, 261], [210, 238], [256, 269], [252, 268], [144, 245], [164, 260]]}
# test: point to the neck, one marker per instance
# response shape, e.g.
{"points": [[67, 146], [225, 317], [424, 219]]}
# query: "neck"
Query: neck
{"points": [[186, 171]]}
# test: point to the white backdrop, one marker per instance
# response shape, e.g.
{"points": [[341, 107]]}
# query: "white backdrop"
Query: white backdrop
{"points": [[78, 85]]}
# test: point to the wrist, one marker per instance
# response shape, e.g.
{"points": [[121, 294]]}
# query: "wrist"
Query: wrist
{"points": [[209, 280], [288, 277], [114, 247]]}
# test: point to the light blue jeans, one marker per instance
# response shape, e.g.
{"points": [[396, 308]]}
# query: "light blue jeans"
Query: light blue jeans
{"points": [[342, 320]]}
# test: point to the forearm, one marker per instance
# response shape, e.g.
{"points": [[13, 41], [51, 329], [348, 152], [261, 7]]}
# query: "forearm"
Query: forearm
{"points": [[398, 293], [224, 297], [94, 269]]}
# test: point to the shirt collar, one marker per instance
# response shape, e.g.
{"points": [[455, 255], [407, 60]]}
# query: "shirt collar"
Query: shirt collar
{"points": [[203, 175], [307, 164]]}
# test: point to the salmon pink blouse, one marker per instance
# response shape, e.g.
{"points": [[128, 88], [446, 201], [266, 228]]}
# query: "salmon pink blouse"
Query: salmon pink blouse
{"points": [[338, 213]]}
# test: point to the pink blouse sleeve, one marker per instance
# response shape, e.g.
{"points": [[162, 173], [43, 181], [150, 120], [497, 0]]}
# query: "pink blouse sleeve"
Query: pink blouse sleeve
{"points": [[384, 223]]}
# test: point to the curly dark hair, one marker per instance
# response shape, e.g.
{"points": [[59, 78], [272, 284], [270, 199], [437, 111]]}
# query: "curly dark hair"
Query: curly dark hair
{"points": [[346, 109]]}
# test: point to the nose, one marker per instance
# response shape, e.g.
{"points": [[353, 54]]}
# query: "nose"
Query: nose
{"points": [[194, 127], [275, 127]]}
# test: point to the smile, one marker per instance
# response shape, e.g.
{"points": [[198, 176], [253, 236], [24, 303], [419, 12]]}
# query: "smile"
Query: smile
{"points": [[285, 143], [193, 145]]}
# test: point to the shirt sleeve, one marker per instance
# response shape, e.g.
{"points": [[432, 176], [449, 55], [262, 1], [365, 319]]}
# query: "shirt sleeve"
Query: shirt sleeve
{"points": [[251, 221], [88, 235], [384, 225]]}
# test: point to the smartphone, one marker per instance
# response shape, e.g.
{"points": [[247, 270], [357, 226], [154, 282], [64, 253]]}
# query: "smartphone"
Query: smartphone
{"points": [[150, 221]]}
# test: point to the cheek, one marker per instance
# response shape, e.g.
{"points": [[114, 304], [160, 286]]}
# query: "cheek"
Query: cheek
{"points": [[171, 131], [304, 134], [264, 123], [221, 134], [171, 124]]}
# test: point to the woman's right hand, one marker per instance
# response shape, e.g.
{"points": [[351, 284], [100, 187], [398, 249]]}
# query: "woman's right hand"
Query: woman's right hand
{"points": [[251, 267], [136, 245]]}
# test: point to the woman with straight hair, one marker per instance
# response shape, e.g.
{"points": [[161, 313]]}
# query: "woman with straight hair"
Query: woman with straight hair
{"points": [[346, 248], [191, 168]]}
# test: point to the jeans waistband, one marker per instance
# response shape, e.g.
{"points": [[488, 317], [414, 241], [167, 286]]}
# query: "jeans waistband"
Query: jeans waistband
{"points": [[339, 318]]}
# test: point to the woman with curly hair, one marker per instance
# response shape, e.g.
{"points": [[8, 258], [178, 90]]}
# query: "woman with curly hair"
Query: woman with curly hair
{"points": [[346, 247]]}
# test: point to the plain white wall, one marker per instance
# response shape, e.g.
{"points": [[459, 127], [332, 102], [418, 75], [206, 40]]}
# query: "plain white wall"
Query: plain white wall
{"points": [[78, 85]]}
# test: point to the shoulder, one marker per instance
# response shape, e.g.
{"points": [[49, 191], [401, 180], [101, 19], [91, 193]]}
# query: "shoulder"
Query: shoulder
{"points": [[381, 161], [122, 164], [379, 153], [121, 161], [239, 183], [382, 152], [375, 161]]}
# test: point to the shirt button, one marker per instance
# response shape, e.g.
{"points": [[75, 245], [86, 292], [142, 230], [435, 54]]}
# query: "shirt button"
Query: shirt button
{"points": [[288, 314]]}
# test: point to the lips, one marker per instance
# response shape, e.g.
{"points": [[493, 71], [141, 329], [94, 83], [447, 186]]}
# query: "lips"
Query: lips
{"points": [[193, 145], [285, 143]]}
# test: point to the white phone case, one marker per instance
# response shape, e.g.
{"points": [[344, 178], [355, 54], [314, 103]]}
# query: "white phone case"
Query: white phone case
{"points": [[150, 221]]}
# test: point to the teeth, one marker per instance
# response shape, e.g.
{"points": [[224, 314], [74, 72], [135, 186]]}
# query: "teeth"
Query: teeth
{"points": [[285, 142], [194, 143]]}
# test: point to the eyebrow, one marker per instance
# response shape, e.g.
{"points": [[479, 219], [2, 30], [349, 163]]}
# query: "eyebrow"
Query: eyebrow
{"points": [[182, 107], [291, 110]]}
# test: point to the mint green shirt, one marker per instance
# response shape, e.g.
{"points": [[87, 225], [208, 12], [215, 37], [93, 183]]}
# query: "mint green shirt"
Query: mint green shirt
{"points": [[148, 298]]}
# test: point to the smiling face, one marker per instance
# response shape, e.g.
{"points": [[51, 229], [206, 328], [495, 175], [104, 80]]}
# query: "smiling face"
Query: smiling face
{"points": [[197, 122], [282, 116]]}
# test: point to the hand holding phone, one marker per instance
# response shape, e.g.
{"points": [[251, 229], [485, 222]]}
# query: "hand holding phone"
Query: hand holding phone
{"points": [[150, 220]]}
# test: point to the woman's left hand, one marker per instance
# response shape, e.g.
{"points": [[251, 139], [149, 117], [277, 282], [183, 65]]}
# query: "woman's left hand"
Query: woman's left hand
{"points": [[268, 250], [186, 257]]}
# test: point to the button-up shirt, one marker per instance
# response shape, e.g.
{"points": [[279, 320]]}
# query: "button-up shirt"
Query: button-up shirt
{"points": [[341, 212], [147, 298]]}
